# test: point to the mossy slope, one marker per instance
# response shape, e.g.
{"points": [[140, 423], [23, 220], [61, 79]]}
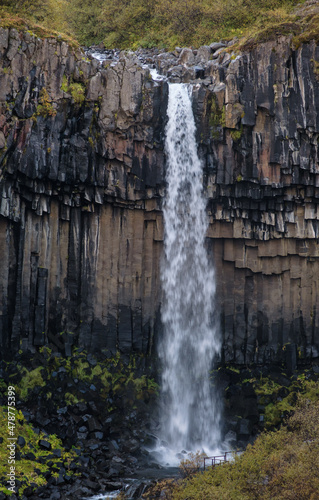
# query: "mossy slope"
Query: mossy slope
{"points": [[160, 23]]}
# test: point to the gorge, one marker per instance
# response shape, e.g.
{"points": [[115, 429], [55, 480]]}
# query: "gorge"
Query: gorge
{"points": [[83, 178]]}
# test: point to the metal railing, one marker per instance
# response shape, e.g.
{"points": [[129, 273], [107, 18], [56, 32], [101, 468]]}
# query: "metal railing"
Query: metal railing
{"points": [[219, 459]]}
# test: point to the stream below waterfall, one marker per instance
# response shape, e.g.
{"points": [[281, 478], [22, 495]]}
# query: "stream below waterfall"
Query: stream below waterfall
{"points": [[135, 487]]}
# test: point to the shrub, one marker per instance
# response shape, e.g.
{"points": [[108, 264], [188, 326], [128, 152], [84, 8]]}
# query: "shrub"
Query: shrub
{"points": [[45, 108], [281, 465], [77, 91], [192, 464]]}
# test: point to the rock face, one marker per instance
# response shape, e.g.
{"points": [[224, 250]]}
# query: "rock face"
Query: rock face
{"points": [[81, 189], [83, 175], [263, 201]]}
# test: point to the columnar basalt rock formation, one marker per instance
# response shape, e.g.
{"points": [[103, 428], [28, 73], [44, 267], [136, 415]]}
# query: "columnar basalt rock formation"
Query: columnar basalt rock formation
{"points": [[263, 201], [83, 175], [81, 190]]}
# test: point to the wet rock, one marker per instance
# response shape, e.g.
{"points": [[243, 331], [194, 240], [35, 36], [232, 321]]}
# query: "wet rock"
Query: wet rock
{"points": [[2, 140], [44, 444], [81, 435], [94, 486], [94, 424], [94, 447], [115, 470], [84, 460], [244, 430], [55, 496], [175, 71], [42, 420], [91, 360], [131, 446], [114, 445], [21, 441], [231, 438], [118, 459]]}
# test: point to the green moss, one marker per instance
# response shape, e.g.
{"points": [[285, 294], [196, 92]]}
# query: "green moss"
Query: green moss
{"points": [[3, 385], [77, 90], [30, 380], [46, 351], [223, 117], [81, 370], [217, 119], [70, 399], [106, 379], [280, 401], [45, 108], [266, 386], [315, 65], [65, 84], [309, 30], [30, 472], [233, 368], [310, 390], [236, 134]]}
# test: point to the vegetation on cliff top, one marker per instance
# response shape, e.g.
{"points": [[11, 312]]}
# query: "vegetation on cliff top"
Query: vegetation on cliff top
{"points": [[166, 23], [11, 17]]}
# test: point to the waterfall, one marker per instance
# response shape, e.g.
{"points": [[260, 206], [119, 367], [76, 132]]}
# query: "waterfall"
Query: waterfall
{"points": [[190, 339]]}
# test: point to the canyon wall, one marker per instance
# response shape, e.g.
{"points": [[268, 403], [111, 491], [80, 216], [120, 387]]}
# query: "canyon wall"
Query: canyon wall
{"points": [[82, 181], [83, 178], [263, 201]]}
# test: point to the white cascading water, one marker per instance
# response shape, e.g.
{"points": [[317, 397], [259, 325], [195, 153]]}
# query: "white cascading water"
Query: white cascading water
{"points": [[190, 339]]}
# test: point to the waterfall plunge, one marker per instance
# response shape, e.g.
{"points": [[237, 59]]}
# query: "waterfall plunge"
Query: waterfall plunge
{"points": [[190, 339]]}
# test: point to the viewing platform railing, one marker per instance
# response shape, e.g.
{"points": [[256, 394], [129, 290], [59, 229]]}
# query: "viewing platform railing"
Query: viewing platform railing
{"points": [[219, 459]]}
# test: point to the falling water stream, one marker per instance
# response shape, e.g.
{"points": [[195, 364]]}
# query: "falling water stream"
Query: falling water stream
{"points": [[190, 341]]}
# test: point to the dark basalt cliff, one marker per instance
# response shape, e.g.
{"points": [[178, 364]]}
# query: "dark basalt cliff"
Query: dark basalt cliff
{"points": [[82, 181]]}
